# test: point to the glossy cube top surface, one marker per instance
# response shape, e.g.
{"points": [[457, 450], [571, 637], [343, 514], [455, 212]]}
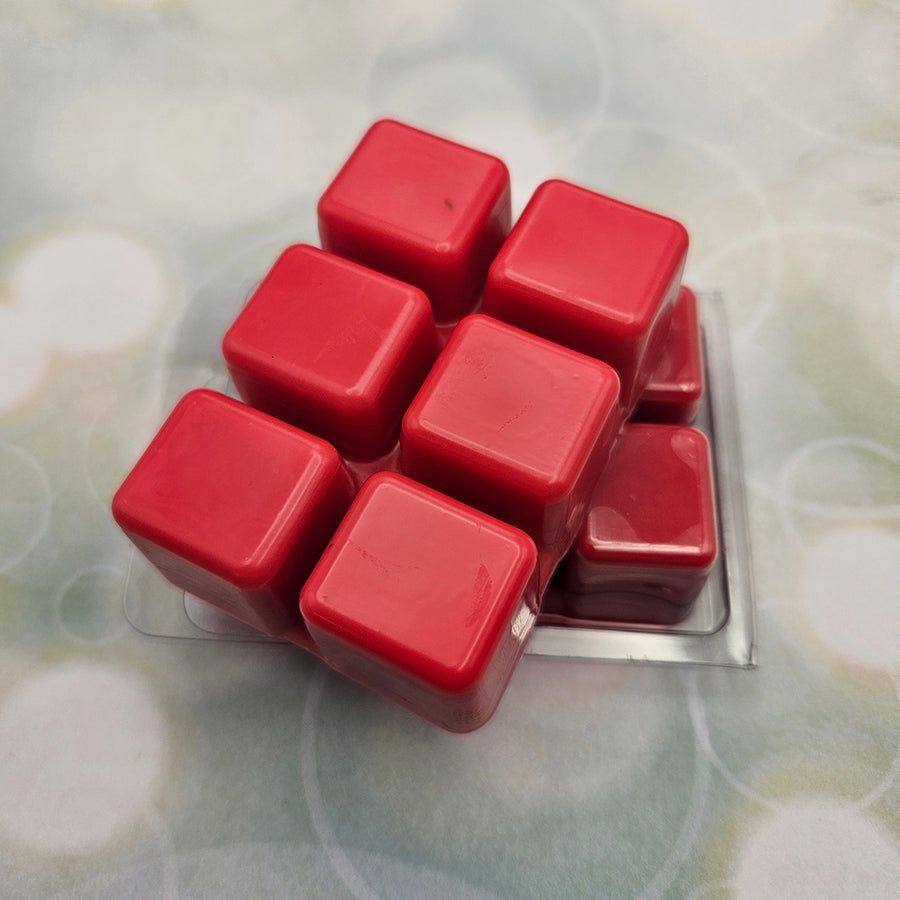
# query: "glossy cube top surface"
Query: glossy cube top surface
{"points": [[333, 347], [430, 190], [221, 483], [654, 504], [421, 208], [593, 254], [593, 274], [420, 581], [515, 403]]}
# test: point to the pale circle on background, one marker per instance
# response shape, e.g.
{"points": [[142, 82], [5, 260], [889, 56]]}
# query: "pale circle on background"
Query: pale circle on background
{"points": [[222, 156], [852, 593], [572, 748], [759, 20], [801, 83], [820, 849], [87, 289], [22, 352], [90, 605], [84, 748], [555, 55], [836, 480], [844, 270], [789, 729], [592, 722], [233, 154], [25, 500]]}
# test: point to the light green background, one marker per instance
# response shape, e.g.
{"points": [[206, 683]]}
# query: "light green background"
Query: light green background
{"points": [[155, 156]]}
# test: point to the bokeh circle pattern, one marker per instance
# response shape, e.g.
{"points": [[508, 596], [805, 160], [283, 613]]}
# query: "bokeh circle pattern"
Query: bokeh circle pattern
{"points": [[771, 744], [90, 605], [817, 847], [88, 289], [851, 592], [574, 759], [85, 749]]}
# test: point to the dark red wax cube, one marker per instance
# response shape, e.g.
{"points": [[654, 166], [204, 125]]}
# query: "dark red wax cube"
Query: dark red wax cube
{"points": [[593, 274], [425, 600], [650, 533], [333, 348], [675, 389], [234, 507], [513, 425], [421, 208]]}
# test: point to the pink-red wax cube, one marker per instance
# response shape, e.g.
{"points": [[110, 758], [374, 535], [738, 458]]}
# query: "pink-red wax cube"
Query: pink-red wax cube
{"points": [[675, 389], [421, 208], [650, 533], [516, 426], [333, 348], [234, 507], [425, 600], [593, 274]]}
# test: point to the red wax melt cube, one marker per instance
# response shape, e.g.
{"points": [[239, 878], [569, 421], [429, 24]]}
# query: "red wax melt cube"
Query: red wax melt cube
{"points": [[420, 208], [516, 426], [675, 389], [425, 600], [650, 534], [234, 507], [592, 274], [333, 348]]}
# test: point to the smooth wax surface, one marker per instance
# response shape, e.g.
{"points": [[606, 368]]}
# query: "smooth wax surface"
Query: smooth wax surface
{"points": [[516, 426], [675, 389], [334, 348], [425, 600], [594, 274], [421, 208], [651, 528], [234, 506]]}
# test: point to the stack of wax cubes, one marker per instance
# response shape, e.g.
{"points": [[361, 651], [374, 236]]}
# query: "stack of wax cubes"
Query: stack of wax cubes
{"points": [[443, 414]]}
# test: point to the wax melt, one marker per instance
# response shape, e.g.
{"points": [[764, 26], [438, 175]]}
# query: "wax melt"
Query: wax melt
{"points": [[593, 274], [235, 507], [650, 537], [516, 426], [511, 444], [421, 208], [675, 389], [333, 348], [425, 600]]}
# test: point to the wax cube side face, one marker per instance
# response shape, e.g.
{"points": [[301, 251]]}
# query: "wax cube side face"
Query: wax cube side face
{"points": [[234, 507], [333, 348], [513, 425], [425, 600], [422, 209], [593, 274], [675, 389], [650, 534]]}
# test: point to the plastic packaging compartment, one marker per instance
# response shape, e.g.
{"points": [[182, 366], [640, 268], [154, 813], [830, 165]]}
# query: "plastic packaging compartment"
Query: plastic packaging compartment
{"points": [[721, 629]]}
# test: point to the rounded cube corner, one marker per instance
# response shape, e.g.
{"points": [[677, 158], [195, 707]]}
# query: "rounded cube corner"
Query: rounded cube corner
{"points": [[251, 574], [121, 510], [461, 679]]}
